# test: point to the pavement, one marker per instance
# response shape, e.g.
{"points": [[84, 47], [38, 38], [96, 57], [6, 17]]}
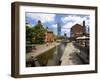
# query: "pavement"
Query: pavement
{"points": [[70, 55]]}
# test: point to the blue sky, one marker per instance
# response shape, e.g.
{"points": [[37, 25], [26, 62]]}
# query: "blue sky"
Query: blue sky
{"points": [[66, 21]]}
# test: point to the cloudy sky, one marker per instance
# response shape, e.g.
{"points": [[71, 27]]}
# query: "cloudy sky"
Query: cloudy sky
{"points": [[66, 21]]}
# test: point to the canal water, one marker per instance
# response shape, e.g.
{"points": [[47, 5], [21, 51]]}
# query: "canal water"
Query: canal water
{"points": [[52, 57]]}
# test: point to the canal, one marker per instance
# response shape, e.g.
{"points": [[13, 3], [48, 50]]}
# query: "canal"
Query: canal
{"points": [[52, 56], [49, 58]]}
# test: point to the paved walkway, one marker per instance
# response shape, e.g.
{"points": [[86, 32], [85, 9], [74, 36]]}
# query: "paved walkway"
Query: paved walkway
{"points": [[70, 55]]}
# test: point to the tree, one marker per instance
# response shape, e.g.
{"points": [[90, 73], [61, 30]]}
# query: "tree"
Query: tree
{"points": [[39, 32], [35, 34], [29, 34]]}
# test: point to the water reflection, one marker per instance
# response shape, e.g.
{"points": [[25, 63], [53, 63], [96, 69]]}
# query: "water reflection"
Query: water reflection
{"points": [[59, 52], [52, 57]]}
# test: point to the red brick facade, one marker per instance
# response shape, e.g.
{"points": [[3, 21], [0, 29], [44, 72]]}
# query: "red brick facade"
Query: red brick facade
{"points": [[49, 36], [77, 30]]}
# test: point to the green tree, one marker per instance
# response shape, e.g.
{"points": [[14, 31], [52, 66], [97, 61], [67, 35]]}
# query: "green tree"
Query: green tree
{"points": [[39, 31], [35, 34], [29, 34]]}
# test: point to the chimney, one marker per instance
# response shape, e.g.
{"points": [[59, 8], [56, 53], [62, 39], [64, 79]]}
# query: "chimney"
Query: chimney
{"points": [[83, 23], [84, 27]]}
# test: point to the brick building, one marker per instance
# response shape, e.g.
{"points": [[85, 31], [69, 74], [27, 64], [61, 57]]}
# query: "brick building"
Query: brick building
{"points": [[49, 36], [78, 30]]}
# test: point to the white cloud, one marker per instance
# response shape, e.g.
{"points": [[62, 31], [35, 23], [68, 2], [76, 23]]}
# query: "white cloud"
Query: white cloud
{"points": [[71, 20], [68, 25], [43, 17], [54, 25], [67, 31]]}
